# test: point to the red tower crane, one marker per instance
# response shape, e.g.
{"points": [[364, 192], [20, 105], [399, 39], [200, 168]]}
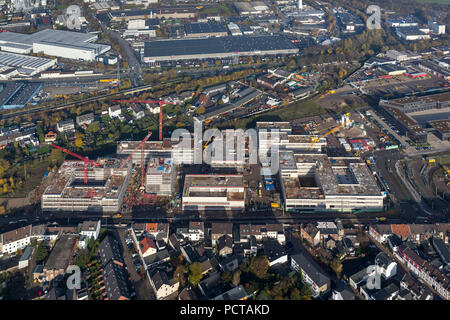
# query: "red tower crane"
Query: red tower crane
{"points": [[140, 145], [86, 161], [160, 102]]}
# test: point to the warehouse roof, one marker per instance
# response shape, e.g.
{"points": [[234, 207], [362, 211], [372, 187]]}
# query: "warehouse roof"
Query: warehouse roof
{"points": [[228, 44], [199, 28]]}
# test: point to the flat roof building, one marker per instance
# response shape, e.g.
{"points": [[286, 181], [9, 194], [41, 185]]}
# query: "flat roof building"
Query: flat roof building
{"points": [[103, 192], [442, 128], [58, 43], [316, 182], [199, 30], [218, 47], [213, 192]]}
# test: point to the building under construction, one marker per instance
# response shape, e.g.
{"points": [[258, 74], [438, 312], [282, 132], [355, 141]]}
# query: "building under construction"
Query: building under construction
{"points": [[160, 176], [213, 192], [180, 153], [316, 182], [103, 191]]}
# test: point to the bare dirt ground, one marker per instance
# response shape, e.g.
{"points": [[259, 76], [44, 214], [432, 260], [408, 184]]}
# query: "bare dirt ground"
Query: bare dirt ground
{"points": [[333, 101]]}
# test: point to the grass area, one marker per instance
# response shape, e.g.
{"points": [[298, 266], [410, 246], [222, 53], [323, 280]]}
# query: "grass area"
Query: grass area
{"points": [[34, 177], [306, 108]]}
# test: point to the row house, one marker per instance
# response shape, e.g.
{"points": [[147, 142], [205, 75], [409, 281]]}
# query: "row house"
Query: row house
{"points": [[219, 229], [262, 231], [311, 234], [424, 270], [196, 231], [14, 240]]}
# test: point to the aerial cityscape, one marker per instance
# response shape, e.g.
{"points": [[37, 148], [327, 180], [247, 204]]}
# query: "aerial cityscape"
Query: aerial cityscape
{"points": [[224, 150]]}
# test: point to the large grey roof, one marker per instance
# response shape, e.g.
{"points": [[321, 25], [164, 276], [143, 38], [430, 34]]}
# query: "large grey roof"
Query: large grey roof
{"points": [[311, 267], [226, 44]]}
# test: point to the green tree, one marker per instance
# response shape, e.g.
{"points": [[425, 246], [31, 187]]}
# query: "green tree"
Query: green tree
{"points": [[336, 265], [4, 165], [227, 277], [195, 273], [201, 110], [42, 252]]}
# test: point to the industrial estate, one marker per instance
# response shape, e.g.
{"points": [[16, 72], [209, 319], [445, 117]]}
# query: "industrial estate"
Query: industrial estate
{"points": [[257, 150]]}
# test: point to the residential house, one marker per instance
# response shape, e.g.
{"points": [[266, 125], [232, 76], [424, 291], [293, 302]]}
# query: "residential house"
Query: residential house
{"points": [[411, 289], [426, 271], [442, 249], [342, 292], [327, 230], [156, 259], [16, 239], [65, 125], [147, 247], [85, 119], [196, 230], [219, 229], [259, 231], [386, 266], [237, 293], [187, 293], [137, 111], [312, 273], [109, 251], [114, 111], [276, 231], [90, 229], [274, 252], [189, 253], [163, 285], [225, 245], [387, 292], [50, 136], [26, 257], [380, 232], [115, 282], [210, 286], [206, 266], [311, 234]]}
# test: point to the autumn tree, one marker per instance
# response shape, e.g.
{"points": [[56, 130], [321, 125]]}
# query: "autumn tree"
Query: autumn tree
{"points": [[236, 278], [259, 266], [179, 275], [195, 273]]}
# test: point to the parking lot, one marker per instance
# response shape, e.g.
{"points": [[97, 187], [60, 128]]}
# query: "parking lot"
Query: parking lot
{"points": [[132, 262]]}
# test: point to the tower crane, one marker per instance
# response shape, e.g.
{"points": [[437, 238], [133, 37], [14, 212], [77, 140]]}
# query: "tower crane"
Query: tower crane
{"points": [[140, 145], [316, 139], [160, 102], [85, 160]]}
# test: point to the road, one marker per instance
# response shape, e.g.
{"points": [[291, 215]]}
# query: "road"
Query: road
{"points": [[134, 65]]}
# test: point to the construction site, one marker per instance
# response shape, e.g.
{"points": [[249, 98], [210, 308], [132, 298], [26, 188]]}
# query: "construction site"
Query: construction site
{"points": [[77, 187], [161, 175], [316, 182]]}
